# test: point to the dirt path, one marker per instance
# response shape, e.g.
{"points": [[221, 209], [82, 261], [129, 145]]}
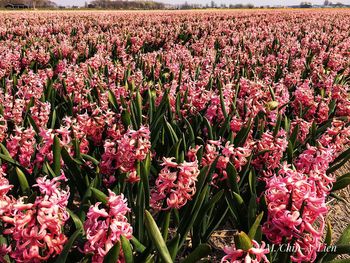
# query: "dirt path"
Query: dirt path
{"points": [[339, 212]]}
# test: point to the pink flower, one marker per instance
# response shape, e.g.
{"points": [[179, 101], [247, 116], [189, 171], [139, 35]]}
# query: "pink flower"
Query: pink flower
{"points": [[22, 145], [304, 128], [4, 251], [296, 210], [238, 155], [176, 184], [133, 146], [255, 254], [105, 226], [271, 150], [6, 202], [36, 229], [236, 124], [314, 159], [211, 152], [40, 113], [3, 128], [337, 137]]}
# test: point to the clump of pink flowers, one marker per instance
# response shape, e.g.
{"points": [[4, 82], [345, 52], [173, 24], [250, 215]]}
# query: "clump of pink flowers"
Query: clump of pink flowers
{"points": [[105, 226], [270, 149], [123, 154], [36, 229], [22, 144], [257, 253], [296, 211], [5, 200], [175, 184]]}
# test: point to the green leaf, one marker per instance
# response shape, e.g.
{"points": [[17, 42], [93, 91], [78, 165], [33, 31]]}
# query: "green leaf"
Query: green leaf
{"points": [[278, 125], [165, 225], [336, 166], [243, 241], [209, 128], [139, 247], [90, 158], [99, 195], [53, 119], [145, 173], [74, 171], [254, 227], [32, 122], [332, 105], [200, 252], [126, 119], [340, 157], [171, 132], [113, 254], [112, 100], [238, 199], [242, 135], [157, 238], [49, 169], [252, 208], [9, 160], [190, 130], [344, 239], [5, 151], [62, 258], [173, 246], [233, 209], [252, 181], [272, 93], [341, 249], [128, 256], [139, 107], [222, 102], [77, 222], [186, 227], [56, 156], [342, 182], [22, 181], [216, 222], [294, 135], [232, 176]]}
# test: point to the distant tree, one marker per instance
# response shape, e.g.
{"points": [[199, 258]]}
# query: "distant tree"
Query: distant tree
{"points": [[305, 5], [326, 3], [30, 3], [108, 4], [212, 4]]}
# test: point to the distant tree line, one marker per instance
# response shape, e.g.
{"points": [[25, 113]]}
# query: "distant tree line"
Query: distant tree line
{"points": [[186, 5], [325, 4], [29, 3], [109, 4]]}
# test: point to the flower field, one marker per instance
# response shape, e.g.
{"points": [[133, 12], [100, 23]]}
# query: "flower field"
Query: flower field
{"points": [[134, 136]]}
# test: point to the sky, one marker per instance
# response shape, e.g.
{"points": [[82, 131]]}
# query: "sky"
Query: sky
{"points": [[203, 2]]}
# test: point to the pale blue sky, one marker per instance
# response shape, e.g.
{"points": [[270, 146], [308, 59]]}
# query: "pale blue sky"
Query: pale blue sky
{"points": [[255, 2]]}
